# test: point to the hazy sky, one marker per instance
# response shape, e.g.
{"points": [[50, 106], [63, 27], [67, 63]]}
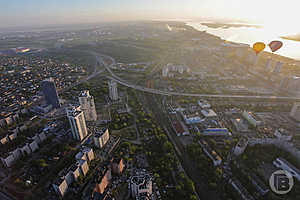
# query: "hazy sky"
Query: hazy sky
{"points": [[39, 12]]}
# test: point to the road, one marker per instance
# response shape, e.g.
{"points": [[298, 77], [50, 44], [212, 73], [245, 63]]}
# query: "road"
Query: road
{"points": [[189, 167], [4, 196], [166, 93], [99, 57]]}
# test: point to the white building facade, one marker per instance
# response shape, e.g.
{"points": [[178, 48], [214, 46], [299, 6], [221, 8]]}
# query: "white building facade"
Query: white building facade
{"points": [[77, 123], [87, 105], [113, 90]]}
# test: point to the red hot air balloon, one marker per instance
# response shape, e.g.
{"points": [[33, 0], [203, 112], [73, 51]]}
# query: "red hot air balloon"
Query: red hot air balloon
{"points": [[275, 45]]}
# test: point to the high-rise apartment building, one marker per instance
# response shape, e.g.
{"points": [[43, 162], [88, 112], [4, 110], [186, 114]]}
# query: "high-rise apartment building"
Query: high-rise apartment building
{"points": [[295, 112], [77, 122], [50, 93], [87, 105], [113, 90], [101, 137]]}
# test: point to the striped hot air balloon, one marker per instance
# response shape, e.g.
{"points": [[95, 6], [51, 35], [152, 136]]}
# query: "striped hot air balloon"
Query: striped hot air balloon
{"points": [[275, 45]]}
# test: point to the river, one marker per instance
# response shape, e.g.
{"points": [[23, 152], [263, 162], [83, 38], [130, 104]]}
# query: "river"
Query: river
{"points": [[250, 35]]}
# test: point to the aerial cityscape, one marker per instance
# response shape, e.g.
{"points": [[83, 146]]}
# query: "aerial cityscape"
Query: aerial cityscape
{"points": [[138, 106]]}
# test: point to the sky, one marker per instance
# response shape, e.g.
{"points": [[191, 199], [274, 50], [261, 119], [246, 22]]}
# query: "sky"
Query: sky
{"points": [[43, 12]]}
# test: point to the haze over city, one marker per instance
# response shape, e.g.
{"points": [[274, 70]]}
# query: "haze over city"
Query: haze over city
{"points": [[35, 12]]}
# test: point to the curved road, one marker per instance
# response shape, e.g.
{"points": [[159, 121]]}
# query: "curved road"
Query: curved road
{"points": [[160, 92], [154, 91]]}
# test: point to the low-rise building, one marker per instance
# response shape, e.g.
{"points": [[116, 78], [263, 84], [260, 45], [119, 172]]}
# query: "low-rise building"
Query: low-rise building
{"points": [[180, 128], [141, 186], [216, 132], [209, 113], [212, 154], [204, 104], [191, 118]]}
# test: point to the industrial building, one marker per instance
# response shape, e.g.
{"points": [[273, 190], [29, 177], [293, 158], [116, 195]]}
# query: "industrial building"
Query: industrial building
{"points": [[216, 132]]}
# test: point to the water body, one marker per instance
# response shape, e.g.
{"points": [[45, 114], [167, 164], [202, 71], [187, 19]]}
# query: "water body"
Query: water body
{"points": [[250, 35]]}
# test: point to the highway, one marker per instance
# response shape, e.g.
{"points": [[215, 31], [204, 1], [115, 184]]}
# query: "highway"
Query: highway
{"points": [[155, 91], [167, 93]]}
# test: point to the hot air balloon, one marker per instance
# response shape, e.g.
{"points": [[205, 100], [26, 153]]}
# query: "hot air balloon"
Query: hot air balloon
{"points": [[275, 45], [258, 47]]}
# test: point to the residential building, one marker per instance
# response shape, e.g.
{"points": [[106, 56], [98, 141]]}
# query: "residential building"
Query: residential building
{"points": [[101, 137], [295, 112], [49, 90], [60, 186], [76, 171], [84, 167], [141, 186], [89, 153], [290, 84], [113, 90], [278, 67], [102, 181], [77, 122], [285, 165], [117, 166], [212, 154], [86, 153], [87, 105]]}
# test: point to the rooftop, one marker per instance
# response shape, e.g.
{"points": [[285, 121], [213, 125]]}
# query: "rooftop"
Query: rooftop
{"points": [[100, 132], [84, 93]]}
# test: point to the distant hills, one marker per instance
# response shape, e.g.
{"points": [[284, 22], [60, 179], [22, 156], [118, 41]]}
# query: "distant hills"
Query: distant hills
{"points": [[292, 37], [225, 25]]}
